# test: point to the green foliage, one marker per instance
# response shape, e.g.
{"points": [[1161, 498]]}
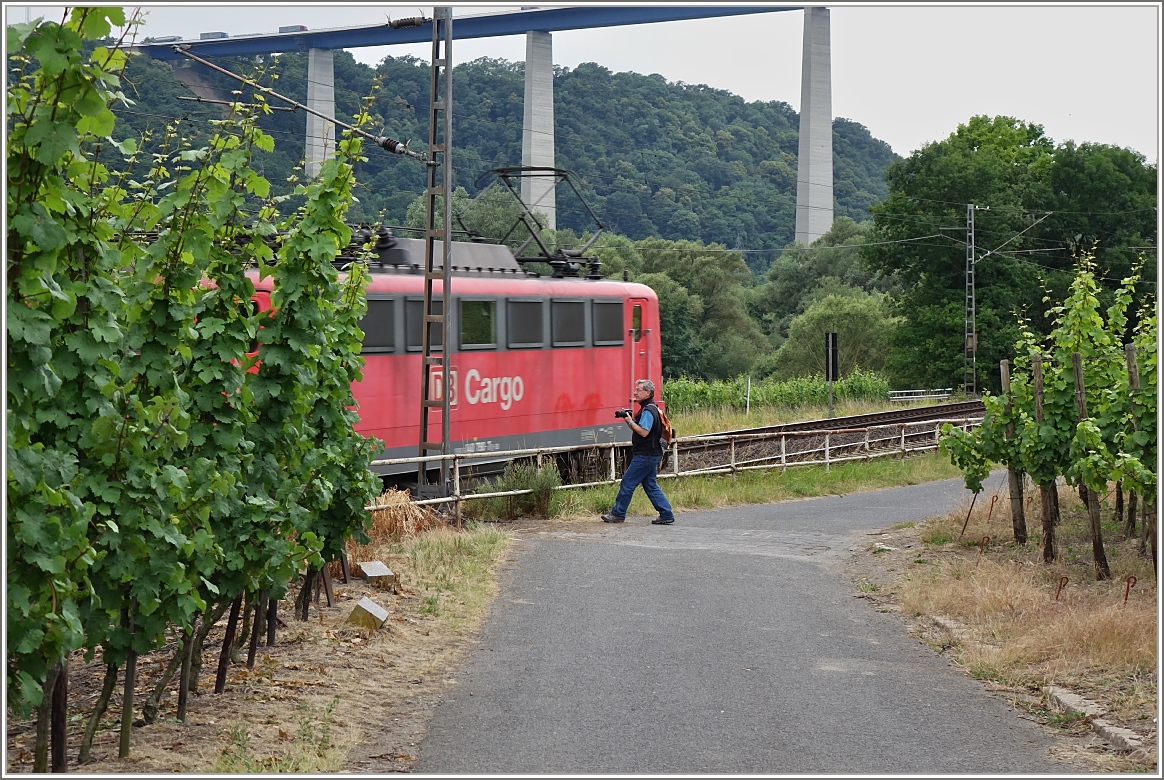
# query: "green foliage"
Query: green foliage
{"points": [[64, 334], [656, 159], [685, 394], [1116, 442], [863, 332], [520, 475], [1100, 198], [150, 475], [801, 275]]}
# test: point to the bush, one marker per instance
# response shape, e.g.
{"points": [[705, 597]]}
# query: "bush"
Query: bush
{"points": [[519, 475], [687, 395]]}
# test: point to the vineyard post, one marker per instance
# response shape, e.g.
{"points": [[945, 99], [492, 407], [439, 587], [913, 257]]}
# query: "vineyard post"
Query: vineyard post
{"points": [[227, 641], [60, 724], [1018, 520], [184, 677], [1048, 493], [127, 701], [1134, 386], [1102, 572], [272, 620], [44, 719]]}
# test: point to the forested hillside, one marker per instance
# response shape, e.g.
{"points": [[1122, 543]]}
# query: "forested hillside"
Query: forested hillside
{"points": [[697, 190], [655, 158]]}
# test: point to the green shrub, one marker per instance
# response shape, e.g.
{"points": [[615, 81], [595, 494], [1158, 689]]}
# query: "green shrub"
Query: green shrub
{"points": [[686, 395], [519, 475]]}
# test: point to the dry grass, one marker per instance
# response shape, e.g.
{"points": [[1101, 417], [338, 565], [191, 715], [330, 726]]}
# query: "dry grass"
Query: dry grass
{"points": [[1020, 624], [1013, 608]]}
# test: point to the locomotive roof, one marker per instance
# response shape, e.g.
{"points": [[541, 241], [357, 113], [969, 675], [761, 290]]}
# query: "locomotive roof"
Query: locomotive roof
{"points": [[407, 254]]}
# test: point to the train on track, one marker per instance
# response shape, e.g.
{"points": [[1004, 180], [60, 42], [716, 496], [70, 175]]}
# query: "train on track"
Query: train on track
{"points": [[537, 361]]}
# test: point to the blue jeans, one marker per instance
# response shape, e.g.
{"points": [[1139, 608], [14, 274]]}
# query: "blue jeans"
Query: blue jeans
{"points": [[642, 471]]}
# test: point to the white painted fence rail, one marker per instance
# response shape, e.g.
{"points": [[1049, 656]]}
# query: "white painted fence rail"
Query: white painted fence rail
{"points": [[907, 396], [877, 441]]}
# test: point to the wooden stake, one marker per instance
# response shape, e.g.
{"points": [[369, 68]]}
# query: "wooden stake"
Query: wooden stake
{"points": [[60, 724], [227, 642], [1049, 493], [272, 620], [1018, 519], [1102, 572]]}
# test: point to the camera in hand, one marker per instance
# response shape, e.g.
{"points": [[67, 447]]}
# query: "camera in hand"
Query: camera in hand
{"points": [[623, 413]]}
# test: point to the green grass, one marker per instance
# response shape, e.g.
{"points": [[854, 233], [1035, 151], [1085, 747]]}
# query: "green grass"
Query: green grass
{"points": [[763, 487], [728, 418]]}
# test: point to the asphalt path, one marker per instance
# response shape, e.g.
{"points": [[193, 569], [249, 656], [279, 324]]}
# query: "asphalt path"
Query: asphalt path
{"points": [[729, 642]]}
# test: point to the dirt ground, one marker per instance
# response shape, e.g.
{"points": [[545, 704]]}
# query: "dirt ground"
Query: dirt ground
{"points": [[384, 685]]}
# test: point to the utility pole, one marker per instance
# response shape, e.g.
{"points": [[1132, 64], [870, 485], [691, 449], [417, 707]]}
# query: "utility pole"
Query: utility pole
{"points": [[970, 356], [970, 353], [435, 394]]}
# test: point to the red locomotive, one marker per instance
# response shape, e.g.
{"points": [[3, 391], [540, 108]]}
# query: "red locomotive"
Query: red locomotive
{"points": [[537, 361]]}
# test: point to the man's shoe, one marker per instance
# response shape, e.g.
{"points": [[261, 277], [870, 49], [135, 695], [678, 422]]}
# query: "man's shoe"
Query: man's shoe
{"points": [[612, 518], [660, 520]]}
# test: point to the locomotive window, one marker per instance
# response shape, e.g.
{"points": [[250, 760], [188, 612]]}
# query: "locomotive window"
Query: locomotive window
{"points": [[414, 311], [637, 321], [568, 323], [478, 324], [379, 326], [608, 323], [524, 320]]}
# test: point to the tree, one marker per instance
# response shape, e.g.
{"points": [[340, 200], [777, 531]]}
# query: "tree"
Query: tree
{"points": [[863, 329], [1010, 166], [802, 274]]}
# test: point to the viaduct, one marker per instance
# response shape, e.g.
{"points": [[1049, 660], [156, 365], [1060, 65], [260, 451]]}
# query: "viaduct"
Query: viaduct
{"points": [[814, 180]]}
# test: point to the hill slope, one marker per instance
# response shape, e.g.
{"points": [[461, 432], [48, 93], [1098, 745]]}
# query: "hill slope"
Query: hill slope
{"points": [[655, 158]]}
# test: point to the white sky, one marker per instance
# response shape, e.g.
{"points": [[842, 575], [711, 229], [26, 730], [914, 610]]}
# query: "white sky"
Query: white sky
{"points": [[911, 74]]}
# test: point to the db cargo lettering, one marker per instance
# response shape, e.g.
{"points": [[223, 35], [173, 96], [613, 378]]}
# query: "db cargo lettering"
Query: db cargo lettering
{"points": [[489, 390]]}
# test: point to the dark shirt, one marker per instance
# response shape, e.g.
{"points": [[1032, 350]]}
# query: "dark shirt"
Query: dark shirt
{"points": [[651, 444]]}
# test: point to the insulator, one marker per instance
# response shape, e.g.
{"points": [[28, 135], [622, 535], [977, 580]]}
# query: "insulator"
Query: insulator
{"points": [[412, 21]]}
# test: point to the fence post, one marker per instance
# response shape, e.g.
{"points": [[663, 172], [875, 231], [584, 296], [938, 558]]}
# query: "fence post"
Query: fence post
{"points": [[866, 444], [783, 454], [903, 441], [457, 489], [612, 461], [937, 435], [675, 457], [1102, 572], [732, 442], [827, 452], [1018, 520]]}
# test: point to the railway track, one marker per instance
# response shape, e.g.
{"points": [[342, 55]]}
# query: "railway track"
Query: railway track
{"points": [[826, 441], [892, 417]]}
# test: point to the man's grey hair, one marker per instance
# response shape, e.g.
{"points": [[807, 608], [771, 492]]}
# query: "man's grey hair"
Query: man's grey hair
{"points": [[647, 385]]}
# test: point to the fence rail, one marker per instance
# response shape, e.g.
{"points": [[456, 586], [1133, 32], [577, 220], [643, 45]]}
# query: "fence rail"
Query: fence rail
{"points": [[906, 396], [719, 454]]}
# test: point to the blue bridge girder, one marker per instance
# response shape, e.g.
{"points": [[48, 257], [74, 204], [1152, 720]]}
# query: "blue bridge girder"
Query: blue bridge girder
{"points": [[516, 23]]}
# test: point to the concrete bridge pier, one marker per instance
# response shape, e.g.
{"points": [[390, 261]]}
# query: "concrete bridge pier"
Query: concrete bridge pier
{"points": [[814, 175], [537, 135], [320, 97]]}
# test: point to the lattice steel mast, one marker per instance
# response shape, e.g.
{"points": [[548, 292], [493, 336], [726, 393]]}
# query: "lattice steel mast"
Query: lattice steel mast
{"points": [[435, 393]]}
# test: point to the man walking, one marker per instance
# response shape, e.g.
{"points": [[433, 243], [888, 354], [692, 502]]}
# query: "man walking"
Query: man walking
{"points": [[646, 452]]}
